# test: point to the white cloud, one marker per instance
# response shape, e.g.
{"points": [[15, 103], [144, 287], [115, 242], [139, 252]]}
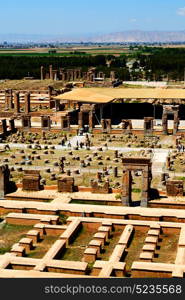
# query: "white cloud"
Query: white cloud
{"points": [[133, 20], [181, 11]]}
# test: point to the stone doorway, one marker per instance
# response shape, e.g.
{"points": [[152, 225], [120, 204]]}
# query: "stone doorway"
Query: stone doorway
{"points": [[86, 117], [167, 111], [136, 164]]}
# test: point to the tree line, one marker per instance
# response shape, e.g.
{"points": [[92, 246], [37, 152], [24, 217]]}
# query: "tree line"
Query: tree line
{"points": [[18, 67]]}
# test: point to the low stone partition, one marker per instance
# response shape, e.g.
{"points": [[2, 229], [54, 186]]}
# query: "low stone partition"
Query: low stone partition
{"points": [[43, 265], [151, 270], [90, 255], [5, 260], [146, 256], [15, 262], [97, 188], [30, 219], [105, 269], [126, 235], [34, 235], [107, 230], [108, 225], [36, 274], [143, 226], [101, 236], [18, 250], [181, 242], [96, 244], [29, 207], [180, 258], [117, 253], [47, 229], [27, 243], [69, 267], [148, 250], [116, 265], [69, 234], [127, 213], [56, 250]]}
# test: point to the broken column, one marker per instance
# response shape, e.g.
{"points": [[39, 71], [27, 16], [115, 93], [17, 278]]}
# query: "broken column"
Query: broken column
{"points": [[168, 163], [126, 125], [61, 165], [175, 188], [112, 76], [116, 154], [31, 180], [99, 176], [4, 180], [66, 184], [106, 125], [115, 172]]}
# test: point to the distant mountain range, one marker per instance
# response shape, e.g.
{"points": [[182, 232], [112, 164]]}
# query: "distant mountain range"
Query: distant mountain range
{"points": [[142, 36], [131, 36]]}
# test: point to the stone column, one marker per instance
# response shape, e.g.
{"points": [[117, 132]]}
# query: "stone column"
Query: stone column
{"points": [[26, 122], [12, 125], [109, 125], [63, 76], [103, 125], [146, 188], [50, 90], [165, 123], [4, 180], [176, 123], [112, 76], [41, 73], [126, 188], [75, 74], [17, 102], [148, 125], [91, 121], [10, 99], [45, 123], [80, 119], [168, 163], [51, 72], [27, 103], [116, 154], [6, 99], [65, 123], [115, 171], [4, 126]]}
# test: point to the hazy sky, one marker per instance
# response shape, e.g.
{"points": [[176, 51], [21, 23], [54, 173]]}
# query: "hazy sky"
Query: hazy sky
{"points": [[84, 16]]}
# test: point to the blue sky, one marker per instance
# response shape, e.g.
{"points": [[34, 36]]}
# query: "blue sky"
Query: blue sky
{"points": [[97, 16]]}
